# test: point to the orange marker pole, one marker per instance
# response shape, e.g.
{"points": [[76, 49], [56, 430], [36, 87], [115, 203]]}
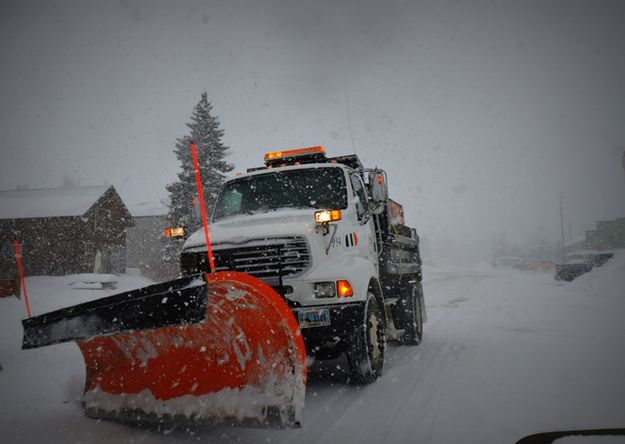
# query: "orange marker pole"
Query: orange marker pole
{"points": [[18, 257], [198, 183]]}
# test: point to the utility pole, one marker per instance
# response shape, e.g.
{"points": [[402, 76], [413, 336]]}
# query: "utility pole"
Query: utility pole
{"points": [[623, 162], [562, 228]]}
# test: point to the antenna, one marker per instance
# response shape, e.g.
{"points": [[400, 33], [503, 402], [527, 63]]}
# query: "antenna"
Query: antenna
{"points": [[349, 123]]}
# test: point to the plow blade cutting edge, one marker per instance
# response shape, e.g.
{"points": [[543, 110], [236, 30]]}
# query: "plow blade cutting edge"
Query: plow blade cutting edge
{"points": [[220, 347]]}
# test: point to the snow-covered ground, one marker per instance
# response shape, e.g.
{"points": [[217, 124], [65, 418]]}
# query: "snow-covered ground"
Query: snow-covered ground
{"points": [[506, 354]]}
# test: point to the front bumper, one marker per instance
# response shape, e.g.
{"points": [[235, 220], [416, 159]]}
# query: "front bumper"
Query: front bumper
{"points": [[332, 339]]}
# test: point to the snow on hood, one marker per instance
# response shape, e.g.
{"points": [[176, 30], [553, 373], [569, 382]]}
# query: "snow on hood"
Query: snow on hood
{"points": [[239, 229]]}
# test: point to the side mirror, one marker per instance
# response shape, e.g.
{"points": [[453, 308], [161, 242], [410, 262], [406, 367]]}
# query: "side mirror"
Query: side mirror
{"points": [[379, 189]]}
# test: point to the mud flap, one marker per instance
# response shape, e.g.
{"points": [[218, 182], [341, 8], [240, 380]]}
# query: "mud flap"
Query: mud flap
{"points": [[240, 358]]}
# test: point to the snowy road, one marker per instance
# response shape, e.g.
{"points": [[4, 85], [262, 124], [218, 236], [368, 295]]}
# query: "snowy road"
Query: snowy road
{"points": [[506, 354]]}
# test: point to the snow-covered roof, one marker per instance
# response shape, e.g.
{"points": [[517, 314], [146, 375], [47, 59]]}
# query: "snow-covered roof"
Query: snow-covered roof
{"points": [[144, 209], [49, 202]]}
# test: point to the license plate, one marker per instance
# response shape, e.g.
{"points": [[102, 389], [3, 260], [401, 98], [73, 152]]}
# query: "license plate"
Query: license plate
{"points": [[313, 317]]}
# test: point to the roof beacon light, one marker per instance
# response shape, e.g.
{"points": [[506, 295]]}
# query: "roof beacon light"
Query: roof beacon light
{"points": [[290, 154], [325, 216]]}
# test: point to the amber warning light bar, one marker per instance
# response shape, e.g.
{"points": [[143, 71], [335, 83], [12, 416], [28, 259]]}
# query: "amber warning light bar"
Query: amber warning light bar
{"points": [[292, 156]]}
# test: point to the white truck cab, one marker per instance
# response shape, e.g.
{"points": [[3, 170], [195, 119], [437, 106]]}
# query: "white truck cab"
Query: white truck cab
{"points": [[319, 231]]}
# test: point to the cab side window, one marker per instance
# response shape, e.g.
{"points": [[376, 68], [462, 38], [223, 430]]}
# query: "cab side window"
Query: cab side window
{"points": [[361, 196]]}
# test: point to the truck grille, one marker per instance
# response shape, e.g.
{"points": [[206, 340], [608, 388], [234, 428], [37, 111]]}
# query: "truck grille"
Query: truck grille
{"points": [[262, 258]]}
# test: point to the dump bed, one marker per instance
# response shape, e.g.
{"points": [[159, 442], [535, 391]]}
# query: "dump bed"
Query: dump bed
{"points": [[400, 248]]}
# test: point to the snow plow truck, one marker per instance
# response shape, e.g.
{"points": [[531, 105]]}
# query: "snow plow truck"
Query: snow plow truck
{"points": [[309, 257]]}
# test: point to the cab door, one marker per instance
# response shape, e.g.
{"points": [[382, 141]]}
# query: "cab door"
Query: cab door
{"points": [[363, 238]]}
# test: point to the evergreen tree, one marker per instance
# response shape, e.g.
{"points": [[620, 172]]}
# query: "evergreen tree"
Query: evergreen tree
{"points": [[206, 133]]}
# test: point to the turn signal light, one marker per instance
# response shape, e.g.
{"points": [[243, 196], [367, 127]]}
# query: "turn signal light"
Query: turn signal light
{"points": [[344, 289], [174, 232], [325, 216]]}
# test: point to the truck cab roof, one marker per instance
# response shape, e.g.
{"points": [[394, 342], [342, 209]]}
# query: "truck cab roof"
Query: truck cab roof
{"points": [[306, 156], [266, 170]]}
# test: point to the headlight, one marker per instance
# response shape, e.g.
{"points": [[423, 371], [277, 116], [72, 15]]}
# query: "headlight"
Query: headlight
{"points": [[341, 288], [325, 290], [325, 216], [175, 232]]}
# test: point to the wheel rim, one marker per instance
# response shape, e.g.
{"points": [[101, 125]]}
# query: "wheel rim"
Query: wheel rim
{"points": [[374, 340]]}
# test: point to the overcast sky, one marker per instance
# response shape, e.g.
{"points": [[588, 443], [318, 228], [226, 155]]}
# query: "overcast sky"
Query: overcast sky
{"points": [[481, 111]]}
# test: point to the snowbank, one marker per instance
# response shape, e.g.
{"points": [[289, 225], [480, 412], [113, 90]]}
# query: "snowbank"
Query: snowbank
{"points": [[506, 354], [35, 382]]}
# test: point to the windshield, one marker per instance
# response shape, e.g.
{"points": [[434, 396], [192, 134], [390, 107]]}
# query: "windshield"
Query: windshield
{"points": [[308, 188]]}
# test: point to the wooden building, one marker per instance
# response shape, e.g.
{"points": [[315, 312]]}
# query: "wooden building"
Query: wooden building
{"points": [[64, 230], [145, 241]]}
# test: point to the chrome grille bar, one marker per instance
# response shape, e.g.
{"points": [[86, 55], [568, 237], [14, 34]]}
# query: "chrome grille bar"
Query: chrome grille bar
{"points": [[264, 258]]}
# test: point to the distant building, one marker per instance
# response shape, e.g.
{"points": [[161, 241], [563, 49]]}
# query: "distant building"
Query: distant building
{"points": [[608, 235], [64, 230], [145, 240]]}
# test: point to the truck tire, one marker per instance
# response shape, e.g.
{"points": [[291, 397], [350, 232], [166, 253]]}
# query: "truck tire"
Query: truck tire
{"points": [[413, 312], [366, 352]]}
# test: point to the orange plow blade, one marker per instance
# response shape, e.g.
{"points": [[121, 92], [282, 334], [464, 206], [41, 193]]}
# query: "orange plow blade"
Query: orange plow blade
{"points": [[245, 362]]}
